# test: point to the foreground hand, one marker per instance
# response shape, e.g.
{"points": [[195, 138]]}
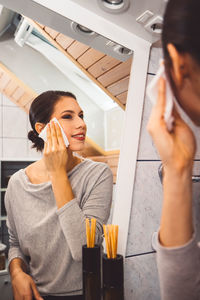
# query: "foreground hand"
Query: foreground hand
{"points": [[24, 287], [176, 148], [55, 151]]}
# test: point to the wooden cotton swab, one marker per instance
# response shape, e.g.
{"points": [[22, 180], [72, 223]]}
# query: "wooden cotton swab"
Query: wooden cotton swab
{"points": [[116, 229], [116, 239], [112, 239], [93, 229], [109, 240], [88, 232]]}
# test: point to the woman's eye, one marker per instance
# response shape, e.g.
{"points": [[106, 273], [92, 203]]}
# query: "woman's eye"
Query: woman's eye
{"points": [[81, 116], [67, 117]]}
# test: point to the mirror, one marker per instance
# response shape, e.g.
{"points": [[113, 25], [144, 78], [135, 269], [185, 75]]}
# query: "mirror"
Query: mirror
{"points": [[128, 149], [99, 81], [33, 55], [36, 54]]}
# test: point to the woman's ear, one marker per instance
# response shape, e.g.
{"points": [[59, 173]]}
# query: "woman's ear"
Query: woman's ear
{"points": [[178, 64], [39, 127]]}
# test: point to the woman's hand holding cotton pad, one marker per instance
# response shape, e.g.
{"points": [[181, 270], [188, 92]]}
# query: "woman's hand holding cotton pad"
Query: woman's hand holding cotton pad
{"points": [[152, 92], [43, 133]]}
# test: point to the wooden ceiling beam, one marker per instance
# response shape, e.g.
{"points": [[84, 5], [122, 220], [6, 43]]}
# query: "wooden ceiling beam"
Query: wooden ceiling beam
{"points": [[55, 43]]}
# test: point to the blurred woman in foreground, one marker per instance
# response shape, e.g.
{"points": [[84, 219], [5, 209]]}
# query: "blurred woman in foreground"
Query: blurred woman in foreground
{"points": [[178, 255]]}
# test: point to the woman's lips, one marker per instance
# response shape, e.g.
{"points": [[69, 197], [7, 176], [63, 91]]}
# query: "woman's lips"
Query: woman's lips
{"points": [[80, 137]]}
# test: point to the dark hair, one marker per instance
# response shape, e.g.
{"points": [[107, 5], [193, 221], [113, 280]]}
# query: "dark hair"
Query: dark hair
{"points": [[181, 27], [41, 111]]}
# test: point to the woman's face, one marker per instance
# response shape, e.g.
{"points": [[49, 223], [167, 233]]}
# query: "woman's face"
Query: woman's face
{"points": [[188, 93], [70, 116], [189, 100]]}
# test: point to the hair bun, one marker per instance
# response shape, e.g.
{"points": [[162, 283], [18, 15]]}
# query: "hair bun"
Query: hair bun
{"points": [[32, 136], [38, 143]]}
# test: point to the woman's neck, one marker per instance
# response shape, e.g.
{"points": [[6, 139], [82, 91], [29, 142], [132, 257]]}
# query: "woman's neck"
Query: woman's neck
{"points": [[71, 163]]}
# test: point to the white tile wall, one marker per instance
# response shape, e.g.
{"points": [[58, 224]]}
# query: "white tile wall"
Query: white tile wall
{"points": [[14, 148], [13, 132], [14, 122]]}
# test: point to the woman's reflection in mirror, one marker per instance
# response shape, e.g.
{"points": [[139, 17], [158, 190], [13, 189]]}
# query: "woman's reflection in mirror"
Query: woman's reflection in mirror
{"points": [[47, 204], [178, 254]]}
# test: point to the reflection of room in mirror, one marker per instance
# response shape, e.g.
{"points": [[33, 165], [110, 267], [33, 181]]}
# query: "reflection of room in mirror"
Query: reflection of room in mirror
{"points": [[88, 68], [100, 81]]}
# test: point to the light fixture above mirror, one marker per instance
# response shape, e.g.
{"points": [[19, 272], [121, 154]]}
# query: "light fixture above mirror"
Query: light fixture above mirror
{"points": [[114, 6], [80, 29]]}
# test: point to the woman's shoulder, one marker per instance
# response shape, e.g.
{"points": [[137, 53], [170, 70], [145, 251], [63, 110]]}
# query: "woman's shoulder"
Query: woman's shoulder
{"points": [[16, 176], [14, 182], [93, 170], [20, 175]]}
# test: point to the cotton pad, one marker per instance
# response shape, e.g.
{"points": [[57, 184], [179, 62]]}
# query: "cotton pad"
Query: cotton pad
{"points": [[152, 92], [43, 133]]}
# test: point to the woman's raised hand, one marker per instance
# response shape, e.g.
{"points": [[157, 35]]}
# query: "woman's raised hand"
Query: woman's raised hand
{"points": [[55, 151], [24, 287], [176, 148]]}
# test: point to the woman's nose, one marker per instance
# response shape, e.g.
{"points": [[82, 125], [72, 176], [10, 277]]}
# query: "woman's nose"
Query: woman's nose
{"points": [[80, 122]]}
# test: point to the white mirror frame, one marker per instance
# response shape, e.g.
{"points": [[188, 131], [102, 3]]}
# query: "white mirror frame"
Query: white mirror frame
{"points": [[134, 106]]}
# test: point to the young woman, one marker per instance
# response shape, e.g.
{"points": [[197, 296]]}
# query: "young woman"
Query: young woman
{"points": [[178, 255], [47, 204]]}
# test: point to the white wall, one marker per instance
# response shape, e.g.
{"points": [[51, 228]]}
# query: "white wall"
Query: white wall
{"points": [[114, 120], [14, 127]]}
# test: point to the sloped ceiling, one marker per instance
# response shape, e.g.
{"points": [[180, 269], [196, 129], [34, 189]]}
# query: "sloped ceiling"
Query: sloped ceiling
{"points": [[110, 74]]}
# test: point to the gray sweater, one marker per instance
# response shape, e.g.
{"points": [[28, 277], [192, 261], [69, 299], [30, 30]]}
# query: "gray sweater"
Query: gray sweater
{"points": [[179, 271], [49, 240]]}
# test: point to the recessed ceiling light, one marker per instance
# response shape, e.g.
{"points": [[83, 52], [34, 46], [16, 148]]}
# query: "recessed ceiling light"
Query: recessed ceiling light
{"points": [[119, 49], [114, 6], [115, 2], [122, 50], [82, 29]]}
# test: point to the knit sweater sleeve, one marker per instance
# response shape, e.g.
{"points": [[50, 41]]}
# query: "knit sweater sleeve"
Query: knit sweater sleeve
{"points": [[14, 246], [179, 271], [97, 205]]}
